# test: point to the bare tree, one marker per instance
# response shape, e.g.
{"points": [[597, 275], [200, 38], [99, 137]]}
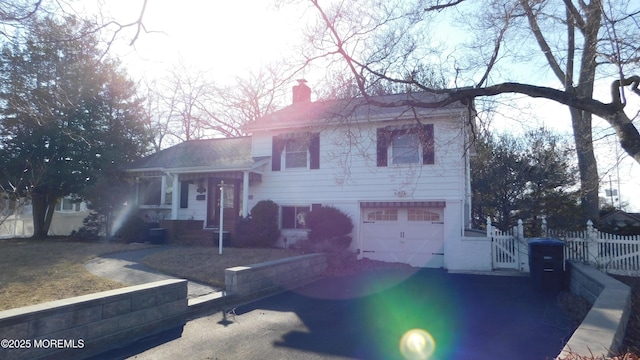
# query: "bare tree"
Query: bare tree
{"points": [[15, 14], [188, 105], [250, 97], [577, 41]]}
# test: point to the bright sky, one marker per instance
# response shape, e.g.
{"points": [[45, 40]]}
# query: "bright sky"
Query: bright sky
{"points": [[227, 38]]}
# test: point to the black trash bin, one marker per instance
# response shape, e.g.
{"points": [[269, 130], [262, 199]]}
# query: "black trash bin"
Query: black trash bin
{"points": [[158, 235], [226, 238], [546, 263]]}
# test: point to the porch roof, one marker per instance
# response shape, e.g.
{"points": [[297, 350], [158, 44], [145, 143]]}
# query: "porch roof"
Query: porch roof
{"points": [[199, 156]]}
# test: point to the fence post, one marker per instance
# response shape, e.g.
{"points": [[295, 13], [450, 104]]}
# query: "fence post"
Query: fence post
{"points": [[520, 230], [544, 227], [592, 245], [523, 248], [489, 230]]}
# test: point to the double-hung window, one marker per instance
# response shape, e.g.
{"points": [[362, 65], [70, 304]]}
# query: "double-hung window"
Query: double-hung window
{"points": [[405, 148], [408, 144], [295, 151], [295, 217], [296, 154]]}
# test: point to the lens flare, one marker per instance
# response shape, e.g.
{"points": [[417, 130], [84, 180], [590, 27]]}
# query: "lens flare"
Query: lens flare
{"points": [[417, 344]]}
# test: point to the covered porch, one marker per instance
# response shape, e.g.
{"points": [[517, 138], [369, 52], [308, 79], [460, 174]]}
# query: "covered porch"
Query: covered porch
{"points": [[197, 183]]}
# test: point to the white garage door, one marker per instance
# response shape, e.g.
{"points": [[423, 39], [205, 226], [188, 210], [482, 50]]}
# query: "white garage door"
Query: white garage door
{"points": [[408, 235]]}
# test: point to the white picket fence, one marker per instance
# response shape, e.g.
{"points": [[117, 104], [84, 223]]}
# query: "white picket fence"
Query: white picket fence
{"points": [[610, 253]]}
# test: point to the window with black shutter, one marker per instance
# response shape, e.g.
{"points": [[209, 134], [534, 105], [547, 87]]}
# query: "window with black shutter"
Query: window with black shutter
{"points": [[295, 151], [405, 145]]}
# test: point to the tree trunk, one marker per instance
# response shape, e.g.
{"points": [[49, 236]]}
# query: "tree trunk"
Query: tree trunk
{"points": [[587, 166], [43, 209]]}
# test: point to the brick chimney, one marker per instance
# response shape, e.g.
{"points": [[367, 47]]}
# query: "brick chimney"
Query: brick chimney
{"points": [[301, 92]]}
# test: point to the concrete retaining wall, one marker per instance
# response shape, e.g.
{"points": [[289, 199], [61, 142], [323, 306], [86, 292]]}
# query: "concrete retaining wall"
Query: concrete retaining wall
{"points": [[83, 326], [603, 329], [266, 277]]}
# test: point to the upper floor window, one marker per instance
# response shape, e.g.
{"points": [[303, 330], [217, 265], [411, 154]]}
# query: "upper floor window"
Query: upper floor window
{"points": [[405, 148], [405, 145], [297, 151]]}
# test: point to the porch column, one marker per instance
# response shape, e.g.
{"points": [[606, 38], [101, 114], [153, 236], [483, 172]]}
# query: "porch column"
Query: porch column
{"points": [[175, 196], [245, 194]]}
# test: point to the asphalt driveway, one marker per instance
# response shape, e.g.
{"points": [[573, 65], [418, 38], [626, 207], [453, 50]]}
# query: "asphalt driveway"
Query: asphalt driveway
{"points": [[365, 316]]}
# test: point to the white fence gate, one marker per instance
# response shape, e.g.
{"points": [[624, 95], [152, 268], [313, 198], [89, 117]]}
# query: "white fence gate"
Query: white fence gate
{"points": [[505, 246]]}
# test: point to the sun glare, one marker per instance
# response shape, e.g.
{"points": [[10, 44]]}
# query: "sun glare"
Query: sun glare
{"points": [[417, 344]]}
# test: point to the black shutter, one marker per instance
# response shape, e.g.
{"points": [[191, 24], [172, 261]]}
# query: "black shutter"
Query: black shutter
{"points": [[184, 194], [276, 150], [382, 144], [428, 145], [315, 207], [314, 151]]}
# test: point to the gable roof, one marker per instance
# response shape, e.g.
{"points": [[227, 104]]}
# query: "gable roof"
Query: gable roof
{"points": [[307, 113], [620, 215], [193, 155]]}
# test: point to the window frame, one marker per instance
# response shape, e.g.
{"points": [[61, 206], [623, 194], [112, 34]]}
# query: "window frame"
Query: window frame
{"points": [[163, 195], [415, 147], [279, 153], [301, 147], [384, 144], [297, 210], [67, 205]]}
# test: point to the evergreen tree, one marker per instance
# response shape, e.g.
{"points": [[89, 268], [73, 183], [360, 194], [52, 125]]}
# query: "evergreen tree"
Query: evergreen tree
{"points": [[68, 115], [527, 178]]}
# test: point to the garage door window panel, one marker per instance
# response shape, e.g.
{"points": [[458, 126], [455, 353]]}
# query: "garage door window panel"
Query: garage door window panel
{"points": [[422, 215], [383, 215]]}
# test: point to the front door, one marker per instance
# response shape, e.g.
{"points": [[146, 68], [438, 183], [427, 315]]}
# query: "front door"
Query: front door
{"points": [[231, 201]]}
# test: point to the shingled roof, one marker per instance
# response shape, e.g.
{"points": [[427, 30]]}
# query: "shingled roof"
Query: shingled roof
{"points": [[219, 154], [308, 113]]}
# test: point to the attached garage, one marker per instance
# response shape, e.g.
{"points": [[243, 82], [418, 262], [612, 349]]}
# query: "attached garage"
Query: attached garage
{"points": [[405, 232]]}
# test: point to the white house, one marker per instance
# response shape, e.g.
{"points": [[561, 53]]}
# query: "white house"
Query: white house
{"points": [[400, 172]]}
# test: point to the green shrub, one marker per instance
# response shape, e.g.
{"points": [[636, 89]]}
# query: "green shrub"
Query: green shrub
{"points": [[329, 228], [92, 228], [244, 234], [260, 228], [134, 229]]}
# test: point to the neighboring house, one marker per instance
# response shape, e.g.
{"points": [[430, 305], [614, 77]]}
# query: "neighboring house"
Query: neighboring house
{"points": [[620, 222], [401, 173], [17, 220]]}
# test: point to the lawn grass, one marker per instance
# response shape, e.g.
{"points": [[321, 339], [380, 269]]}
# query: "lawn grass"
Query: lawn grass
{"points": [[205, 265], [36, 271]]}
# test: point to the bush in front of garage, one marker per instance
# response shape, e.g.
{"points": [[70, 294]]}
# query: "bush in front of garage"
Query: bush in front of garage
{"points": [[260, 228], [329, 229]]}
